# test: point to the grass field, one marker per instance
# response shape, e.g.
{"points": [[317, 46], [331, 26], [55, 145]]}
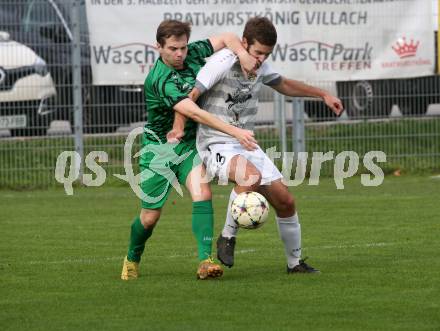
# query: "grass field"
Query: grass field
{"points": [[378, 250]]}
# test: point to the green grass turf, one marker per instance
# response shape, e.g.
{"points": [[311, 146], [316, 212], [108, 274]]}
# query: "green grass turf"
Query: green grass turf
{"points": [[378, 249]]}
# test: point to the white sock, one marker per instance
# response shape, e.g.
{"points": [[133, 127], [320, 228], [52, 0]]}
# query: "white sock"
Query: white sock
{"points": [[230, 229], [290, 233]]}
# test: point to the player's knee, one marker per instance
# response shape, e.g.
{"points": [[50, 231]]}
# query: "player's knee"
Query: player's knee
{"points": [[202, 193], [148, 223], [202, 196], [245, 174], [286, 205], [206, 195], [149, 219]]}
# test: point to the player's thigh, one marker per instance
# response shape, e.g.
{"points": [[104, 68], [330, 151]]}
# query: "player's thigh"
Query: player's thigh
{"points": [[197, 183], [192, 173], [243, 172], [154, 188], [279, 197]]}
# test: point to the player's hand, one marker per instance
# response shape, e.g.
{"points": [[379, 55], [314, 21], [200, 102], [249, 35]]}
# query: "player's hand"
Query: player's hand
{"points": [[248, 63], [194, 94], [246, 139], [334, 103], [174, 136]]}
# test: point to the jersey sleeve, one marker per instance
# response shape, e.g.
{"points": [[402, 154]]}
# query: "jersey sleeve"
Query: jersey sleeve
{"points": [[169, 93], [200, 49], [215, 69], [270, 76]]}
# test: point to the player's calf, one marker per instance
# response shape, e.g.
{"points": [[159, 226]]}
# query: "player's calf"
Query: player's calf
{"points": [[280, 198]]}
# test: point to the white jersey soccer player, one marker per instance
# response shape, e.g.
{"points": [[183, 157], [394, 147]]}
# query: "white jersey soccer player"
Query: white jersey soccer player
{"points": [[233, 97]]}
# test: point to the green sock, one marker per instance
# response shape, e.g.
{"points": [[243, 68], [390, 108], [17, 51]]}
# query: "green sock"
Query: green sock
{"points": [[203, 227], [138, 237]]}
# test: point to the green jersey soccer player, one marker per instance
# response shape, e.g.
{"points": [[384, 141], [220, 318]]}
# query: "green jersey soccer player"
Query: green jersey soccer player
{"points": [[162, 164]]}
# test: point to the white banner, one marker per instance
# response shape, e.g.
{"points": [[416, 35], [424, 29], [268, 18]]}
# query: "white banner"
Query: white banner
{"points": [[325, 40]]}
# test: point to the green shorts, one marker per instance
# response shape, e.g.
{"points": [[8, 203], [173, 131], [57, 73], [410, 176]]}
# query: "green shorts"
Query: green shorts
{"points": [[162, 166]]}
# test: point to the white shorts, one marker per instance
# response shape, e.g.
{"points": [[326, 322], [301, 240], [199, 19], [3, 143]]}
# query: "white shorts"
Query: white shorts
{"points": [[220, 155]]}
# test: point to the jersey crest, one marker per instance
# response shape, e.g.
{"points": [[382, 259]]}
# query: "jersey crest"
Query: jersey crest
{"points": [[237, 103]]}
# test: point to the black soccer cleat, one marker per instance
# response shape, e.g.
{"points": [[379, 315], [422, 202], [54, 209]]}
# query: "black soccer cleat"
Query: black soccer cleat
{"points": [[302, 268], [225, 250]]}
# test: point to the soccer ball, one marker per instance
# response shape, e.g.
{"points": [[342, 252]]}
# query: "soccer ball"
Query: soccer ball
{"points": [[249, 210]]}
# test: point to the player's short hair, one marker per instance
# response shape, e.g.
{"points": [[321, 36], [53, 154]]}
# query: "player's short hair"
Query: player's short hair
{"points": [[169, 28], [260, 29]]}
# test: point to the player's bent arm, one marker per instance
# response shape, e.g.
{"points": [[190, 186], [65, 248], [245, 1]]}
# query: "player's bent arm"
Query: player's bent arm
{"points": [[178, 129], [179, 121], [189, 109], [294, 88], [214, 70], [231, 41]]}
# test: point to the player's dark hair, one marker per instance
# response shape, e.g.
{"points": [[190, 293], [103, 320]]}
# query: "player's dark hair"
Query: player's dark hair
{"points": [[169, 28], [260, 29]]}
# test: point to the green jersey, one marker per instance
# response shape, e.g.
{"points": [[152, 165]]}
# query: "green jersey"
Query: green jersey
{"points": [[165, 87]]}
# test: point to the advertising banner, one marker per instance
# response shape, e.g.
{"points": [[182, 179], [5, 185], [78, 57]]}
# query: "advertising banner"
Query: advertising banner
{"points": [[325, 40]]}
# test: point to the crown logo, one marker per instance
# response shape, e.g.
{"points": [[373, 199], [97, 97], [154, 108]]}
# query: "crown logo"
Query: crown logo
{"points": [[404, 49]]}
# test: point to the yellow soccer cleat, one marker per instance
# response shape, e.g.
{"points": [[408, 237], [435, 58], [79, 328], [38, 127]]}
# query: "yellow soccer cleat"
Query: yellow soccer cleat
{"points": [[130, 270], [209, 269]]}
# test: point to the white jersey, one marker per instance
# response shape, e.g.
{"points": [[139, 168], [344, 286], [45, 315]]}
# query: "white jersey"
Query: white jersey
{"points": [[229, 95]]}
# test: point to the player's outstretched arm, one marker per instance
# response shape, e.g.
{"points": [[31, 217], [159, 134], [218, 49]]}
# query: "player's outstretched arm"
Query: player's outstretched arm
{"points": [[189, 109], [178, 129], [296, 88], [233, 42]]}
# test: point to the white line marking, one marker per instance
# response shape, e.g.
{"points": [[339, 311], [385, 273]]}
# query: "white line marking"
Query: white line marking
{"points": [[94, 260], [351, 246]]}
